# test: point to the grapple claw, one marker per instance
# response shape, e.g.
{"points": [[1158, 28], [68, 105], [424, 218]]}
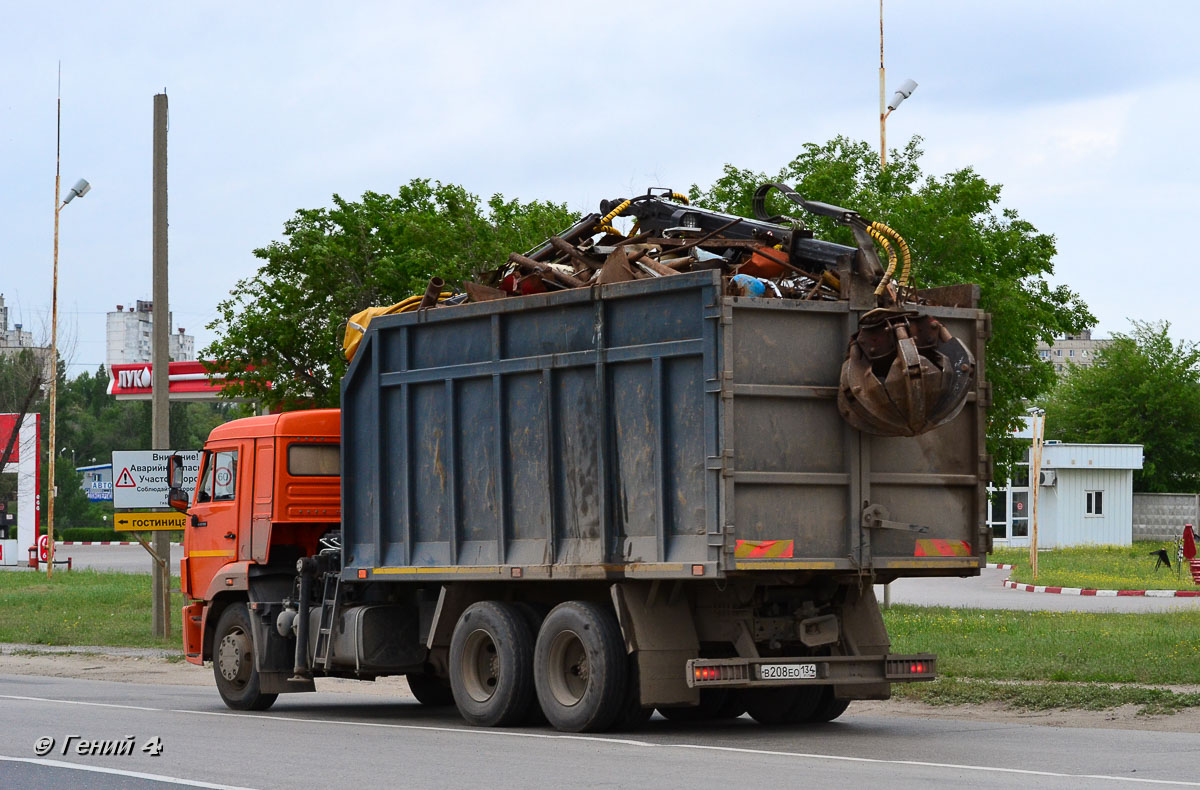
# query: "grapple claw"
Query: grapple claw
{"points": [[904, 374]]}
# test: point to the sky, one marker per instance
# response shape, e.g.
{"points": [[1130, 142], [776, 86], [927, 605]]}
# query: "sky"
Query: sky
{"points": [[1086, 112]]}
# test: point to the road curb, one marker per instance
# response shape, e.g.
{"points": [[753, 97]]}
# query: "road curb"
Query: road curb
{"points": [[1012, 585], [10, 648], [998, 567], [100, 543]]}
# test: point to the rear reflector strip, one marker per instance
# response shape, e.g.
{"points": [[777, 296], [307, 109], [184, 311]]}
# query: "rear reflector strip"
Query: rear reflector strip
{"points": [[911, 667], [726, 673]]}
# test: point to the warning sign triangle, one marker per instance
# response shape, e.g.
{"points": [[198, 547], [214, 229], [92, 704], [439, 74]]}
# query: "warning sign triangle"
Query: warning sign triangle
{"points": [[125, 480]]}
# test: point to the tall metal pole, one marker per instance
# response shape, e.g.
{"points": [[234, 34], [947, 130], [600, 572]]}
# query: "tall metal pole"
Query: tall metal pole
{"points": [[882, 99], [887, 588], [160, 383], [1035, 472], [51, 489]]}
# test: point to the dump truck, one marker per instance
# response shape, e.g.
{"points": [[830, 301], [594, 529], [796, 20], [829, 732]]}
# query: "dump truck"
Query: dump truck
{"points": [[588, 499]]}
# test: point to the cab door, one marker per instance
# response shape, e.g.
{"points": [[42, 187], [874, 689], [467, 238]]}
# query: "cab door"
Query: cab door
{"points": [[212, 536]]}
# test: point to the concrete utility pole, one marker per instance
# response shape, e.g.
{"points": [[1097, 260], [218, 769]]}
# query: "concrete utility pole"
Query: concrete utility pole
{"points": [[160, 437]]}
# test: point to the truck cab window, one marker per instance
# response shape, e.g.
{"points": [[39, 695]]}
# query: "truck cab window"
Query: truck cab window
{"points": [[204, 492], [224, 475]]}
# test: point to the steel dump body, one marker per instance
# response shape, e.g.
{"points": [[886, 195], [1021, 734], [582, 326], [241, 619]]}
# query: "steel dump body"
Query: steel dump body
{"points": [[651, 429]]}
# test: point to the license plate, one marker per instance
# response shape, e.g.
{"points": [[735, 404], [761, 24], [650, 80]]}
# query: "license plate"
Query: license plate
{"points": [[787, 672]]}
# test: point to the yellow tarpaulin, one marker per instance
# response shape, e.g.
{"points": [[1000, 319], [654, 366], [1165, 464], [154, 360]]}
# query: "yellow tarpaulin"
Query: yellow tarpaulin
{"points": [[356, 327]]}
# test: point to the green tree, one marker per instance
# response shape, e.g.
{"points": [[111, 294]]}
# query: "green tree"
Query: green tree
{"points": [[278, 333], [1141, 389], [958, 233]]}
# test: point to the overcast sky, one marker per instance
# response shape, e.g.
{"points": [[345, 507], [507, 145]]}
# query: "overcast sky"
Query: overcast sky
{"points": [[1086, 112]]}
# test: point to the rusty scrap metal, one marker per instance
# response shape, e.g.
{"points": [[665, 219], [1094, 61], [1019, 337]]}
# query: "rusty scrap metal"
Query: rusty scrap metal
{"points": [[903, 373], [432, 292]]}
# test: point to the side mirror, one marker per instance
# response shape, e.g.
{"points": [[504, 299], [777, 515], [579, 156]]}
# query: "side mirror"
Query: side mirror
{"points": [[177, 498]]}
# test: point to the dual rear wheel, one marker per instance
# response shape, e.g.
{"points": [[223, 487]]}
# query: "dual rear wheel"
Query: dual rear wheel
{"points": [[510, 666], [507, 665]]}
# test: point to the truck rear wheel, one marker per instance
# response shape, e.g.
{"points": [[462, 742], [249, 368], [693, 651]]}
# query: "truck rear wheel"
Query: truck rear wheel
{"points": [[491, 665], [238, 681], [580, 667], [712, 701], [787, 705], [829, 707], [430, 690]]}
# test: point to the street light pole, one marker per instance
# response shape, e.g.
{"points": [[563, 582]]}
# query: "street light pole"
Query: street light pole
{"points": [[882, 105], [79, 190], [885, 107], [50, 489]]}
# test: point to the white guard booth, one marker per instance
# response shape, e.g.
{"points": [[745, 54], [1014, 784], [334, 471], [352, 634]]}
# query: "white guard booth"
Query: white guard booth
{"points": [[1086, 494]]}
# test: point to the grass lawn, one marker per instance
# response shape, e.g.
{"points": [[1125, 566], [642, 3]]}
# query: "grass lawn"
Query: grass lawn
{"points": [[1005, 656], [1098, 567], [82, 608]]}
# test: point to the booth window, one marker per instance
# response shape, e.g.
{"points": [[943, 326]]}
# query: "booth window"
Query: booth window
{"points": [[1095, 503]]}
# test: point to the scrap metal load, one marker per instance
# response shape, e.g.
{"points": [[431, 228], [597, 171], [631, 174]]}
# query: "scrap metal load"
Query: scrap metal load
{"points": [[904, 373]]}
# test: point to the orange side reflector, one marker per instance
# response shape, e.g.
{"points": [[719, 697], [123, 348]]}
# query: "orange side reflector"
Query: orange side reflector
{"points": [[933, 547], [362, 573], [518, 573], [762, 549], [697, 570]]}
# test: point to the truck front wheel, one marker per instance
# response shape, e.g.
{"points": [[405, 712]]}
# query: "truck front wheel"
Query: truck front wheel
{"points": [[233, 662], [580, 667], [491, 665]]}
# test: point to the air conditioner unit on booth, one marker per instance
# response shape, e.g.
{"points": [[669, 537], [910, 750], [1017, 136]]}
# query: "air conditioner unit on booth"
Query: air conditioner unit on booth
{"points": [[1047, 477]]}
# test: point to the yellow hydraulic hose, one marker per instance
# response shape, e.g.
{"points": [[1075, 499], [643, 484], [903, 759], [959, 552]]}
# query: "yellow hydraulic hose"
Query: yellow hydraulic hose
{"points": [[616, 212], [905, 254], [891, 254]]}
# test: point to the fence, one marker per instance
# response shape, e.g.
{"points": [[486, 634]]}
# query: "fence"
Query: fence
{"points": [[1162, 516]]}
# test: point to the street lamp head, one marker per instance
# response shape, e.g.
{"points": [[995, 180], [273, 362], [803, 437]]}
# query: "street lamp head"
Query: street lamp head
{"points": [[903, 92], [81, 188]]}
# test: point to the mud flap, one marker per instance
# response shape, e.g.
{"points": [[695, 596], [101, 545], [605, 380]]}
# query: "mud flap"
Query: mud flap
{"points": [[660, 633], [863, 633]]}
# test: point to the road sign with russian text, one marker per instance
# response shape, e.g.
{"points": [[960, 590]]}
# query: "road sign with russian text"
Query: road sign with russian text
{"points": [[140, 477]]}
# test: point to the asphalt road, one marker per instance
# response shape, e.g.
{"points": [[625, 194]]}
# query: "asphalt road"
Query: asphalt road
{"points": [[126, 559], [986, 591], [342, 740]]}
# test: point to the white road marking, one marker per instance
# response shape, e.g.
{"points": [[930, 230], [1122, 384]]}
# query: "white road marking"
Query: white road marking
{"points": [[622, 741], [923, 764], [134, 774]]}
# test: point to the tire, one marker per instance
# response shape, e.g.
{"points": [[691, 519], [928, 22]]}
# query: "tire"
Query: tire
{"points": [[734, 706], [580, 667], [491, 665], [632, 715], [805, 706], [771, 706], [237, 678], [829, 707], [711, 703], [430, 690]]}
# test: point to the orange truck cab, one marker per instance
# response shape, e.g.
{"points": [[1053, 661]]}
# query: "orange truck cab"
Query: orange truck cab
{"points": [[267, 493]]}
